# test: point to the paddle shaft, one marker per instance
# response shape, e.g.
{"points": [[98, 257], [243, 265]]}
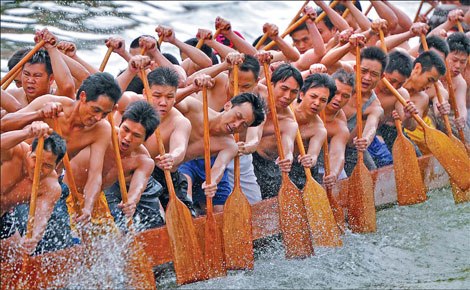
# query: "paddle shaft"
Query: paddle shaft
{"points": [[207, 148], [346, 13], [300, 145], [368, 9], [419, 10], [360, 156], [298, 13], [382, 40], [200, 42], [236, 159], [452, 101], [261, 41], [106, 58], [459, 26]]}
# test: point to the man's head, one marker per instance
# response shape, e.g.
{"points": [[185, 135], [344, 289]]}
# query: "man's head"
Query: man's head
{"points": [[345, 87], [326, 28], [398, 68], [287, 81], [373, 63], [340, 9], [163, 82], [436, 44], [37, 76], [302, 39], [98, 96], [428, 67], [14, 59], [54, 151], [243, 111], [248, 75], [139, 121], [317, 91], [459, 50]]}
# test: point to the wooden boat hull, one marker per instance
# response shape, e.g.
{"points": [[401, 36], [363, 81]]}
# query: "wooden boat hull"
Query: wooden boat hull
{"points": [[45, 269]]}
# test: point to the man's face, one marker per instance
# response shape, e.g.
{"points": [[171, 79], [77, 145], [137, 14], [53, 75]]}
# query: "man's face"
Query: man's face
{"points": [[341, 97], [314, 100], [423, 80], [48, 163], [285, 92], [35, 80], [457, 61], [326, 34], [302, 39], [395, 78], [371, 73], [92, 112], [246, 82], [18, 80], [163, 98], [237, 118], [131, 135]]}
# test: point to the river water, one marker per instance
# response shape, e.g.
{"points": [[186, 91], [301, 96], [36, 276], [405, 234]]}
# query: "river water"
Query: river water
{"points": [[420, 246]]}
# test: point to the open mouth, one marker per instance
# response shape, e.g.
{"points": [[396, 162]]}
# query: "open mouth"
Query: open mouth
{"points": [[124, 146]]}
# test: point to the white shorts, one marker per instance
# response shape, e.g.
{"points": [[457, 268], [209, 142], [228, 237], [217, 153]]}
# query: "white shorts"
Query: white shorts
{"points": [[248, 179]]}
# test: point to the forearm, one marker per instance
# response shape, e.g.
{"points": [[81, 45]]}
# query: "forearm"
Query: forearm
{"points": [[125, 79], [195, 54], [287, 142], [16, 121], [240, 44], [386, 13], [10, 139], [160, 59], [288, 50], [62, 75], [77, 69], [212, 71], [335, 55], [184, 92], [92, 190], [91, 69], [361, 19], [318, 46], [221, 49], [137, 186], [404, 22], [395, 40], [9, 103], [336, 162], [370, 128], [337, 20]]}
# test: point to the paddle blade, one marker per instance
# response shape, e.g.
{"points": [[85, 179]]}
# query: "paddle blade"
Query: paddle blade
{"points": [[213, 251], [410, 184], [293, 220], [237, 232], [320, 217], [459, 194], [187, 254], [454, 160], [139, 269], [361, 206]]}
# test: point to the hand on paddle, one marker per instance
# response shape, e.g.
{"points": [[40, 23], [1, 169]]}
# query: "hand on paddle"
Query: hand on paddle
{"points": [[47, 36], [148, 43], [52, 110], [84, 219], [329, 181], [209, 190], [443, 108], [128, 208], [419, 28], [345, 35], [28, 245], [271, 29], [285, 164], [317, 68], [245, 148], [234, 58], [455, 16], [357, 40], [203, 80], [379, 24], [138, 62], [312, 14], [118, 44], [68, 48], [307, 160], [165, 162], [38, 129], [205, 34], [264, 56], [167, 33], [361, 143], [224, 25], [395, 115], [410, 109]]}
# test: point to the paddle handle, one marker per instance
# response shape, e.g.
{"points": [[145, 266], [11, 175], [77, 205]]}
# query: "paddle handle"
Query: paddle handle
{"points": [[452, 101], [298, 13], [300, 145], [368, 9], [359, 100], [346, 13], [382, 40], [236, 159], [11, 79], [459, 26], [399, 127], [20, 64], [417, 12], [200, 43], [106, 58], [261, 41], [207, 146]]}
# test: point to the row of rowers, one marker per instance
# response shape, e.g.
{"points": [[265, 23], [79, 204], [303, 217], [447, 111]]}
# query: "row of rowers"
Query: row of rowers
{"points": [[306, 81]]}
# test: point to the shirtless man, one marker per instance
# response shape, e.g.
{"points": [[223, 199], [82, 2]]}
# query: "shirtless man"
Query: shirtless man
{"points": [[17, 171], [315, 93], [82, 124], [242, 111], [287, 82], [41, 70], [139, 121]]}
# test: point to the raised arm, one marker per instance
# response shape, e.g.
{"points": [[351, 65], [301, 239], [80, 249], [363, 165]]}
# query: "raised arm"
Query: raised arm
{"points": [[372, 122], [69, 54], [287, 50], [395, 40], [386, 13], [9, 103], [361, 19], [221, 49], [337, 148], [314, 146], [404, 21], [288, 130], [339, 22], [178, 144], [136, 63], [453, 17], [239, 43]]}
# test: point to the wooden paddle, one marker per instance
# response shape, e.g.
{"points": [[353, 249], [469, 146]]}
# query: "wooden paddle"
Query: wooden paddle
{"points": [[11, 79], [368, 9], [410, 184], [261, 41], [213, 251], [292, 213], [201, 41], [335, 207], [237, 224], [187, 254], [361, 205], [319, 214], [417, 12], [298, 13], [382, 40], [297, 24], [454, 160], [106, 58], [345, 13]]}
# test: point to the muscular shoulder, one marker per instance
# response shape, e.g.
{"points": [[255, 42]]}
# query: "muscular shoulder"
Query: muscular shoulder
{"points": [[52, 188]]}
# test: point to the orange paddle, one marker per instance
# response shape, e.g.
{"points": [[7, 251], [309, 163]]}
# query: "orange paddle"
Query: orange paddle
{"points": [[106, 58], [292, 213], [361, 205], [382, 40], [298, 13], [368, 9], [237, 226], [417, 12], [213, 251]]}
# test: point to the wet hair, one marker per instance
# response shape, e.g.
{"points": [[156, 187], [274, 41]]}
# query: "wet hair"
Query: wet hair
{"points": [[17, 56], [459, 42], [171, 58], [436, 42], [302, 26], [399, 61], [100, 83], [326, 19], [135, 42], [55, 144], [375, 53], [285, 71], [345, 78], [430, 59], [319, 80], [163, 76], [250, 63], [143, 113], [204, 48], [258, 104], [42, 56]]}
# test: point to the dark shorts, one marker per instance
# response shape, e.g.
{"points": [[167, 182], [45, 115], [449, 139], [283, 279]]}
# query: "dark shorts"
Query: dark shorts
{"points": [[147, 214], [350, 160], [268, 175], [196, 171], [389, 134]]}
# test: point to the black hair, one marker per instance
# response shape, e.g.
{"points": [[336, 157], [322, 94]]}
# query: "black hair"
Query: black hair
{"points": [[375, 53], [345, 78], [135, 42], [136, 85], [285, 71], [171, 58], [17, 56], [163, 76], [143, 113], [42, 56], [250, 63], [436, 42], [340, 8], [204, 48], [100, 83], [430, 59], [266, 42], [55, 144], [319, 80], [258, 104], [326, 19], [399, 61], [302, 26], [459, 42]]}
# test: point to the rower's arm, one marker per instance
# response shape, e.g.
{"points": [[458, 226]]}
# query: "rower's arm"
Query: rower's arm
{"points": [[338, 21], [288, 130], [386, 13], [333, 56], [337, 149], [252, 139], [285, 48], [62, 75], [361, 19], [223, 159], [211, 71], [179, 140], [408, 122], [221, 49], [404, 21], [9, 103], [460, 97], [78, 71], [9, 141], [140, 179], [372, 122], [315, 144]]}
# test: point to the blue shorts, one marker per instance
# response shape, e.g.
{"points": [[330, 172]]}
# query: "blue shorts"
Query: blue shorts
{"points": [[196, 171], [380, 153]]}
